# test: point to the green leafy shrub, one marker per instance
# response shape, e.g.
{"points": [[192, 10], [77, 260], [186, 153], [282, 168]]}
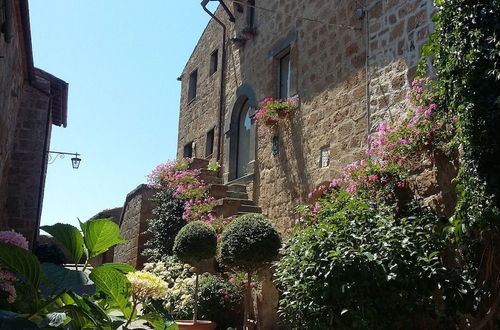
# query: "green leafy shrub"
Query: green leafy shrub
{"points": [[163, 228], [366, 265], [249, 242], [220, 299], [195, 241], [51, 296]]}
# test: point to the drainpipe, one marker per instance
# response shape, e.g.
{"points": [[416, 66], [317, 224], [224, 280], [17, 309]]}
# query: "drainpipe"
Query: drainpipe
{"points": [[223, 68]]}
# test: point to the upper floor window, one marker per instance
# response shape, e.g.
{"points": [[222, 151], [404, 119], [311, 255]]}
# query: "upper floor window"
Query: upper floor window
{"points": [[193, 81], [188, 150], [209, 150], [251, 13], [5, 19], [285, 76], [214, 61]]}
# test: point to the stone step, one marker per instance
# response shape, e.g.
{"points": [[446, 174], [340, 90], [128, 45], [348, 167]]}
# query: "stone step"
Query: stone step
{"points": [[237, 188], [237, 195], [210, 179], [250, 209], [217, 191]]}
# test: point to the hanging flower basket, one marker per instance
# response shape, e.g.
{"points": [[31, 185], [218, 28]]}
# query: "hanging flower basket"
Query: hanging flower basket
{"points": [[271, 111]]}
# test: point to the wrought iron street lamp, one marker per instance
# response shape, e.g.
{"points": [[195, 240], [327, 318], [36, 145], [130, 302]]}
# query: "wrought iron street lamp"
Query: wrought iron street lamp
{"points": [[75, 161]]}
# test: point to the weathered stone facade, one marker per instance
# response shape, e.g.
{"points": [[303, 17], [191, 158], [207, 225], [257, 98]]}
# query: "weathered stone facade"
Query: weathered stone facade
{"points": [[329, 67], [351, 66], [31, 100], [136, 210]]}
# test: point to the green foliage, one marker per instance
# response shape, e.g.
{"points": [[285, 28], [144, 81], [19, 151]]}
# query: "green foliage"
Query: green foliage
{"points": [[195, 241], [22, 262], [220, 301], [60, 307], [163, 228], [465, 49], [63, 278], [249, 242], [366, 265], [99, 235], [69, 236], [115, 286]]}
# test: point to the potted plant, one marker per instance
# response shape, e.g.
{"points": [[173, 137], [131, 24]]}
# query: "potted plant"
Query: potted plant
{"points": [[249, 32], [195, 242], [271, 111], [249, 243]]}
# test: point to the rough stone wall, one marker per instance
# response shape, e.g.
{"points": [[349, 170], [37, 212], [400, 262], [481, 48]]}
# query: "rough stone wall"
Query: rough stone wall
{"points": [[200, 115], [136, 210], [114, 214], [329, 76], [25, 179], [12, 76]]}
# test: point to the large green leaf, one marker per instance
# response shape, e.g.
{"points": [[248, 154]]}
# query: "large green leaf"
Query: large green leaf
{"points": [[21, 261], [69, 236], [115, 285], [99, 235], [63, 278], [9, 320], [123, 268]]}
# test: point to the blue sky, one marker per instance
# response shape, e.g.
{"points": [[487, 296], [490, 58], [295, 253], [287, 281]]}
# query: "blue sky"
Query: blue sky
{"points": [[121, 59]]}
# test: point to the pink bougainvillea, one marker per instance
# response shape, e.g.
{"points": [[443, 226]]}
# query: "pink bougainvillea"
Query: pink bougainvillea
{"points": [[397, 149]]}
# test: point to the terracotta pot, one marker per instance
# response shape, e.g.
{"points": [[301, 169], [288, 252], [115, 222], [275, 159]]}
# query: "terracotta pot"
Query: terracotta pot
{"points": [[199, 325]]}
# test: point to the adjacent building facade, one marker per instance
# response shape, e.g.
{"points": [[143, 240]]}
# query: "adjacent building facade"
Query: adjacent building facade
{"points": [[31, 101], [350, 64]]}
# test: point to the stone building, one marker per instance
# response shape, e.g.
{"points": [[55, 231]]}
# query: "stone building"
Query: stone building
{"points": [[348, 62], [31, 101]]}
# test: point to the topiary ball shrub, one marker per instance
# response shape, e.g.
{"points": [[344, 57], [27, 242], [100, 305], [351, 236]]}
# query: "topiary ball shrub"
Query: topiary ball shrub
{"points": [[249, 242], [196, 241]]}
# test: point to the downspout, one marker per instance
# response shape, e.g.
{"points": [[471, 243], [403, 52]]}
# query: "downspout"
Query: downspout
{"points": [[222, 71]]}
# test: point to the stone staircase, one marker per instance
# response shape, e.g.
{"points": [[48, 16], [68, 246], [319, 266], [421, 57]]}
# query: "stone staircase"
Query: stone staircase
{"points": [[230, 199]]}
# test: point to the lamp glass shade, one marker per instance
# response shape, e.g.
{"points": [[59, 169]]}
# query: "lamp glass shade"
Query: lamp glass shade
{"points": [[75, 161]]}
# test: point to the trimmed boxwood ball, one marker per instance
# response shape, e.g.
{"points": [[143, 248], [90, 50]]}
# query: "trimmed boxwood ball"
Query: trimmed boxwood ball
{"points": [[249, 242], [195, 241]]}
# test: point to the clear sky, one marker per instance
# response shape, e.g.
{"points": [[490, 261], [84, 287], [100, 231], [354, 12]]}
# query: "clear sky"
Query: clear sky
{"points": [[121, 59]]}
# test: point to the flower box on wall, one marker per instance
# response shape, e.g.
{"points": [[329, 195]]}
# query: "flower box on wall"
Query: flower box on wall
{"points": [[271, 112]]}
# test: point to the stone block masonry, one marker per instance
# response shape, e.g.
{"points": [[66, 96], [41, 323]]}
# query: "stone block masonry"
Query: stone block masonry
{"points": [[330, 57], [136, 210]]}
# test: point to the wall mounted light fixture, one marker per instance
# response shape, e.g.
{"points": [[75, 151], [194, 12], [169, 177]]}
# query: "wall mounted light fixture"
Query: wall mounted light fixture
{"points": [[75, 161]]}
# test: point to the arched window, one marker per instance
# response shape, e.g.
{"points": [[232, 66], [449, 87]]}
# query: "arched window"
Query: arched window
{"points": [[244, 152]]}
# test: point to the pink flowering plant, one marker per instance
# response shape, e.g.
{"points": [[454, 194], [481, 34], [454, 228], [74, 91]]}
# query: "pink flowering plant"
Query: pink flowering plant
{"points": [[271, 111], [7, 279], [398, 149]]}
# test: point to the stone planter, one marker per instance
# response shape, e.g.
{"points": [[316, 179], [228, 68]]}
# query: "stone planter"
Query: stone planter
{"points": [[199, 325]]}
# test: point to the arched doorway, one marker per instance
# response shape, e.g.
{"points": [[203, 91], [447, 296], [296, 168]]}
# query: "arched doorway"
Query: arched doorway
{"points": [[239, 130], [243, 145]]}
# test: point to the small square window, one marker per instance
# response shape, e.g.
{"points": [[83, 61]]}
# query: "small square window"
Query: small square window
{"points": [[214, 61], [285, 76], [210, 143], [324, 160], [193, 81], [188, 150]]}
